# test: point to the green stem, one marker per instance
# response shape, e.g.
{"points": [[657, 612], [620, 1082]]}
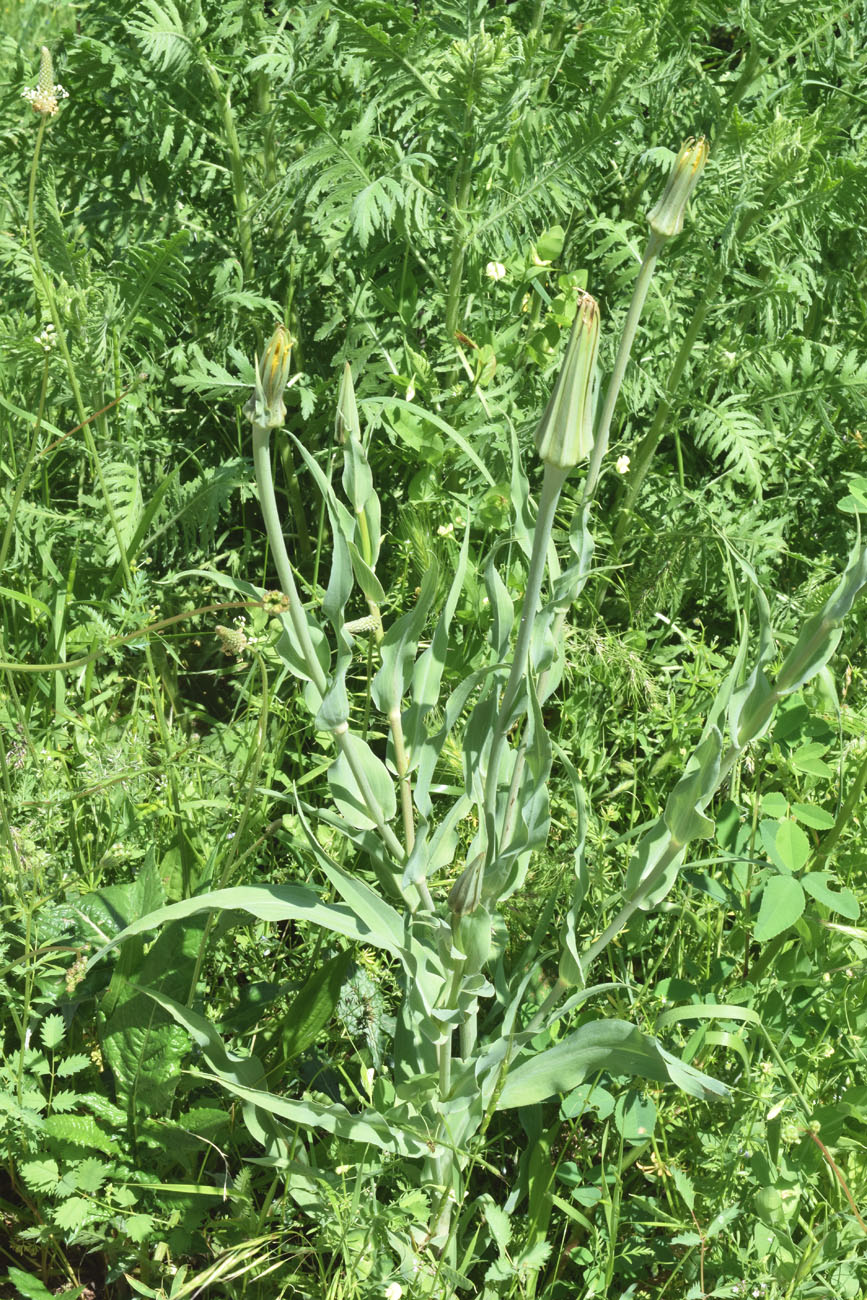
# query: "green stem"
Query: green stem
{"points": [[24, 476], [236, 168], [600, 448], [552, 482], [655, 244]]}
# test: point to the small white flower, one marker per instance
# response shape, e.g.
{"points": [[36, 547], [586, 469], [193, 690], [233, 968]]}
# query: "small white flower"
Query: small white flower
{"points": [[622, 464], [393, 1291], [46, 96], [495, 271], [446, 530]]}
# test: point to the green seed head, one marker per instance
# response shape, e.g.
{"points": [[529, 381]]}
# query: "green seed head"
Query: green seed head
{"points": [[565, 433], [266, 407], [666, 217]]}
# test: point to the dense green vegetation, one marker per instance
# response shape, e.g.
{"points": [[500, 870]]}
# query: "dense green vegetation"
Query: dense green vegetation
{"points": [[367, 933]]}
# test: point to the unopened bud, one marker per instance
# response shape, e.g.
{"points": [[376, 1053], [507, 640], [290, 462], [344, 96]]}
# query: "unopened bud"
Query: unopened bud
{"points": [[266, 407], [466, 892], [565, 433], [346, 422], [666, 216]]}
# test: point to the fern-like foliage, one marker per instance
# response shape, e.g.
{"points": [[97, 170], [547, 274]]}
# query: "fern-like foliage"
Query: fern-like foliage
{"points": [[734, 435]]}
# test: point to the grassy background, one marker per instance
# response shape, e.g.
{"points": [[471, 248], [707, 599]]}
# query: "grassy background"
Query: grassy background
{"points": [[387, 156]]}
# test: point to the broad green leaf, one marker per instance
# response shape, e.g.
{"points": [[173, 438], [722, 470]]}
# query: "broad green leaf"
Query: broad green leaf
{"points": [[684, 809], [384, 923], [811, 815], [369, 1127], [502, 611], [808, 759], [41, 1175], [141, 1044], [428, 669], [653, 866], [751, 707], [786, 844], [782, 903], [73, 1213], [90, 1174], [308, 1014], [345, 791], [841, 900], [81, 1131], [611, 1045], [367, 580], [635, 1117], [139, 1227]]}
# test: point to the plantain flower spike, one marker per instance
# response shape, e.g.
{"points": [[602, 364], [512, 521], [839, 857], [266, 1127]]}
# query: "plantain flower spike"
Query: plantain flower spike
{"points": [[666, 216], [45, 98], [266, 407], [565, 433]]}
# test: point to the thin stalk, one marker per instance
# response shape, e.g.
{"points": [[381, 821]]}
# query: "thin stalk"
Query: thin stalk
{"points": [[655, 244], [600, 447], [236, 168], [552, 482], [24, 476], [650, 442]]}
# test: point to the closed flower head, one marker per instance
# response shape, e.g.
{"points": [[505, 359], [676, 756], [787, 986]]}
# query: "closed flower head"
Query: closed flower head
{"points": [[565, 433], [666, 216], [266, 407]]}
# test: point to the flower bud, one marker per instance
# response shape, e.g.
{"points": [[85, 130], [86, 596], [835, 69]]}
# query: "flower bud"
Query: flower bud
{"points": [[666, 217], [346, 423], [565, 433], [466, 892], [266, 407]]}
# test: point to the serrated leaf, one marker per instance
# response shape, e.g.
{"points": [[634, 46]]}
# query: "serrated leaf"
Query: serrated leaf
{"points": [[81, 1130], [41, 1175], [139, 1227], [52, 1031], [73, 1213], [73, 1064], [89, 1175]]}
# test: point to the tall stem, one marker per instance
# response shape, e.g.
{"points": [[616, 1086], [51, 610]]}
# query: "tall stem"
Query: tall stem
{"points": [[552, 483], [600, 446], [654, 246], [236, 168]]}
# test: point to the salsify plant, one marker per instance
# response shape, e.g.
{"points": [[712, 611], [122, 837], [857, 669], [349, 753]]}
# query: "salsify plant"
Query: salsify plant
{"points": [[469, 1039]]}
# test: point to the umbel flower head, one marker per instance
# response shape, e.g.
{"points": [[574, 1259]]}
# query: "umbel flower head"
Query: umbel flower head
{"points": [[565, 433], [666, 216], [45, 99], [266, 407]]}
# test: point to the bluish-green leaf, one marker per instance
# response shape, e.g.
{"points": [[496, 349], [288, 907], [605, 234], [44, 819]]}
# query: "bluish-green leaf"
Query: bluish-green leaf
{"points": [[345, 791], [611, 1045]]}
